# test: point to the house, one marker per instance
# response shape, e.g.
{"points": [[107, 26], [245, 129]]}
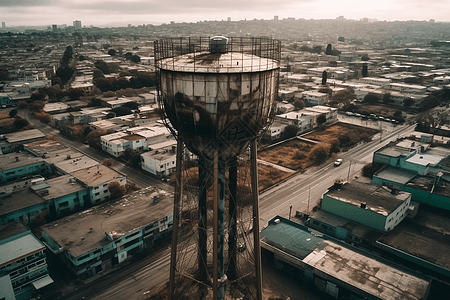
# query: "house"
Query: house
{"points": [[382, 82], [161, 159], [314, 98], [23, 262], [17, 139], [96, 240], [97, 178]]}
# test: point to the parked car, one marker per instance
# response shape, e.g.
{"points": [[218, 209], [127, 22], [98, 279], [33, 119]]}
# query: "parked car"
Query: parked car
{"points": [[338, 162]]}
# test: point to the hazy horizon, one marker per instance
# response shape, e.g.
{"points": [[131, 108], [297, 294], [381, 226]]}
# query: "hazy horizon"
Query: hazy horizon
{"points": [[137, 12]]}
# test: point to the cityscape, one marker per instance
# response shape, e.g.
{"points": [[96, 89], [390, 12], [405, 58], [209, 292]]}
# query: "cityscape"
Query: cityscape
{"points": [[281, 158]]}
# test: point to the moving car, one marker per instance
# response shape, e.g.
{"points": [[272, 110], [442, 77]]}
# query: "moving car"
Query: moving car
{"points": [[338, 162]]}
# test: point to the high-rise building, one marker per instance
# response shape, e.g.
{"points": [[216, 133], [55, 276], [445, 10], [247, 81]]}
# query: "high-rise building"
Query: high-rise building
{"points": [[54, 27], [275, 18], [229, 19], [77, 25], [3, 25]]}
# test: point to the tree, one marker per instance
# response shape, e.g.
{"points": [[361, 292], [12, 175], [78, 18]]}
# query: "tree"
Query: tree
{"points": [[12, 113], [121, 111], [128, 55], [65, 73], [386, 98], [108, 162], [321, 119], [317, 49], [371, 98], [290, 130], [329, 49], [76, 93], [22, 104], [116, 189], [320, 152], [37, 106], [56, 81], [97, 73], [433, 121], [408, 102], [131, 105], [102, 66], [43, 117], [364, 71], [112, 52], [135, 58], [345, 96], [299, 104], [398, 113], [429, 102], [341, 39], [103, 84], [20, 123], [324, 77], [93, 137], [365, 57]]}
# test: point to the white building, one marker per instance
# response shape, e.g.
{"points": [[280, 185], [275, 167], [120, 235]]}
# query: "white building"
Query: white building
{"points": [[315, 98], [161, 160], [382, 82]]}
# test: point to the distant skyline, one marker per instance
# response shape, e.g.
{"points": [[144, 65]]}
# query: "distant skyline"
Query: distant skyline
{"points": [[138, 12]]}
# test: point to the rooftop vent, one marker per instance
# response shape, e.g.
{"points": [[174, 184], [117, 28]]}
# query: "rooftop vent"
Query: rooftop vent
{"points": [[17, 158], [218, 44], [363, 205]]}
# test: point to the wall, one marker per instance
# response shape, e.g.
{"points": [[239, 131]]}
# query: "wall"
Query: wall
{"points": [[354, 213]]}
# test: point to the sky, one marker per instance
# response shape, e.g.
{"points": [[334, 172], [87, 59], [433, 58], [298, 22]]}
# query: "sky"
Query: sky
{"points": [[112, 13]]}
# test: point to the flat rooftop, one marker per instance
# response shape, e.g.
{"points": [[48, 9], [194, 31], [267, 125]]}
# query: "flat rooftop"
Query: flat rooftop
{"points": [[426, 236], [423, 159], [19, 248], [17, 137], [95, 175], [377, 198], [353, 228], [61, 186], [11, 229], [47, 147], [344, 263], [20, 199], [70, 161], [425, 183], [17, 159], [401, 176], [87, 230]]}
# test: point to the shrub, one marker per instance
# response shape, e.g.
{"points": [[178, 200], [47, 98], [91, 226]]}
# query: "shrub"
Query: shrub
{"points": [[20, 123], [108, 162], [43, 117], [320, 152], [116, 189]]}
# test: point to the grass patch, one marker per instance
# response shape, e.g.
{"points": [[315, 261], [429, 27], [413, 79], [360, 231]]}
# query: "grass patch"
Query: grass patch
{"points": [[268, 176]]}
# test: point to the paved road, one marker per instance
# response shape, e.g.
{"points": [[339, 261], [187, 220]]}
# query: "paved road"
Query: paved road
{"points": [[153, 270]]}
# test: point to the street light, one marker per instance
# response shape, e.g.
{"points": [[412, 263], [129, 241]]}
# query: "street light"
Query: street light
{"points": [[290, 211]]}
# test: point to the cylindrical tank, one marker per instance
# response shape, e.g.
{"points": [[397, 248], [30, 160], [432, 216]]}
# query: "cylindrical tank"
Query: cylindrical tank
{"points": [[217, 93]]}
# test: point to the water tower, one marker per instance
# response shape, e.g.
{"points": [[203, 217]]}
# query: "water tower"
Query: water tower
{"points": [[217, 96]]}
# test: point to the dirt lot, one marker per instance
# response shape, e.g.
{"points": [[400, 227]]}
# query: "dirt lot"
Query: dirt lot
{"points": [[379, 110], [285, 154], [353, 132], [295, 154]]}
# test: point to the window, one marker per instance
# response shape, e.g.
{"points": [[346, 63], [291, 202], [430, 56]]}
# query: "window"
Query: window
{"points": [[65, 203], [97, 194], [324, 227], [315, 222]]}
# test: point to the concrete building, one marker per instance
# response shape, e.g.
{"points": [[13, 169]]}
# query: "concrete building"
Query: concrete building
{"points": [[314, 98], [20, 165], [161, 160], [17, 139], [371, 205], [6, 100], [97, 178], [96, 240], [23, 261], [336, 268], [382, 82]]}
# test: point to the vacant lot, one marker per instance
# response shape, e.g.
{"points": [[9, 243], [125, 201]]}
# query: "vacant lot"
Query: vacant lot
{"points": [[285, 154], [379, 110], [348, 134], [297, 154]]}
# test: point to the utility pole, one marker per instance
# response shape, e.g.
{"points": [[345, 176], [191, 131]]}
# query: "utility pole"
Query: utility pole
{"points": [[309, 196], [349, 166], [290, 211]]}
